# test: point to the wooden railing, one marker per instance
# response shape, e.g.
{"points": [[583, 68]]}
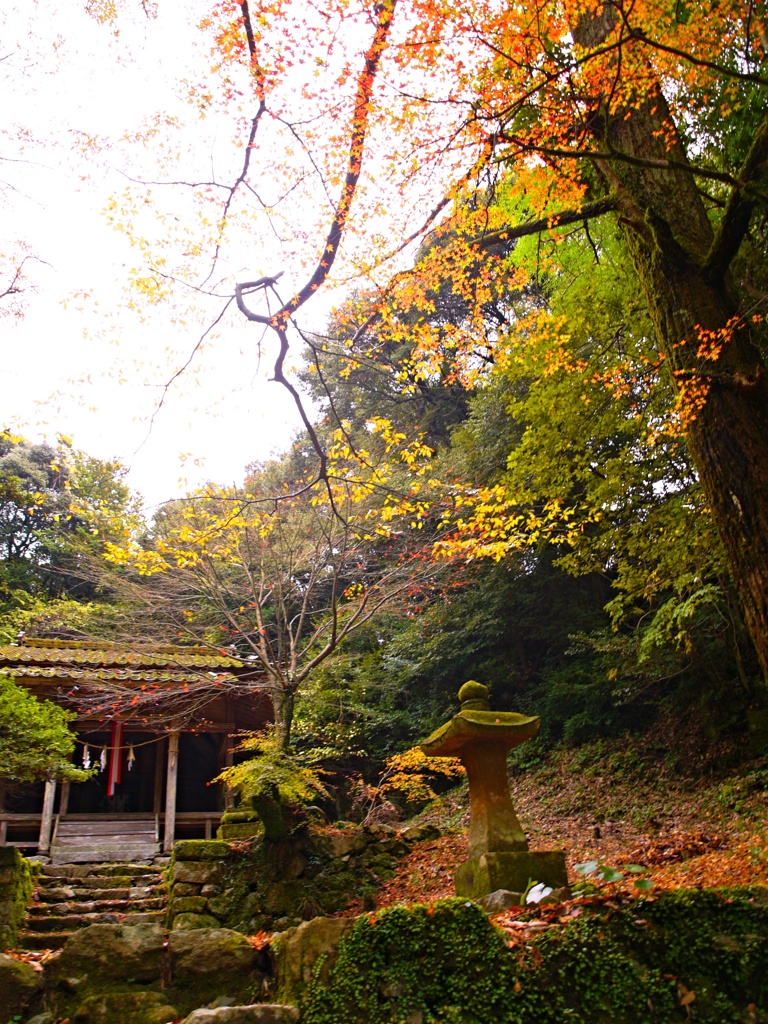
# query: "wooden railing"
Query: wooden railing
{"points": [[13, 824]]}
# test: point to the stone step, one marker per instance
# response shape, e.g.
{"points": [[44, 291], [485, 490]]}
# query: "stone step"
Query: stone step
{"points": [[150, 917], [69, 897], [106, 839], [68, 827], [97, 881], [96, 884], [72, 922], [97, 854], [66, 894], [95, 906], [125, 869], [42, 940]]}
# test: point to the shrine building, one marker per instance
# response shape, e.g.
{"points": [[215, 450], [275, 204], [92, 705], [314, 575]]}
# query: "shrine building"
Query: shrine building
{"points": [[157, 724]]}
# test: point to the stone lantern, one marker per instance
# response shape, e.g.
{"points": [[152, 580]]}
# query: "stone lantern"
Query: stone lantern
{"points": [[498, 854]]}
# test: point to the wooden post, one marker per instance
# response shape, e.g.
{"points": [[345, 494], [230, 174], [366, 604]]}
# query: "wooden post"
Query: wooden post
{"points": [[229, 793], [44, 843], [157, 805], [3, 822], [64, 799], [170, 791]]}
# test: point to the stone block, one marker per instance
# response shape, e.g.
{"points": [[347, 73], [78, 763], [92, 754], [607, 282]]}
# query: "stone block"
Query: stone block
{"points": [[238, 815], [254, 1013], [299, 949], [220, 953], [191, 922], [18, 983], [239, 830], [512, 871], [200, 849], [125, 1007], [500, 900], [419, 833], [226, 903], [348, 842], [114, 951], [189, 904], [198, 872], [8, 856], [188, 889]]}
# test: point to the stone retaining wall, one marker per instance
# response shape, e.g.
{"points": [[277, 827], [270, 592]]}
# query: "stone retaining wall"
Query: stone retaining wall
{"points": [[271, 886], [17, 880]]}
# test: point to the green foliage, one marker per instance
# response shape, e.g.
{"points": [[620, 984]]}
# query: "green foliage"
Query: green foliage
{"points": [[272, 768], [442, 960], [506, 624], [606, 873], [35, 741], [360, 704], [57, 508], [578, 422], [637, 964]]}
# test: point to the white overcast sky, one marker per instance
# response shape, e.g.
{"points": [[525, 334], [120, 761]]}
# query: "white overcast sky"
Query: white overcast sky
{"points": [[82, 367]]}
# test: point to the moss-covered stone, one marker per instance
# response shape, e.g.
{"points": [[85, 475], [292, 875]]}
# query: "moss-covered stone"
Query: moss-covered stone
{"points": [[17, 882], [513, 871], [315, 870], [220, 956], [228, 902], [240, 815], [18, 984], [191, 922], [187, 889], [199, 872], [302, 951], [628, 964], [201, 849], [239, 830], [189, 904], [113, 952], [126, 1007]]}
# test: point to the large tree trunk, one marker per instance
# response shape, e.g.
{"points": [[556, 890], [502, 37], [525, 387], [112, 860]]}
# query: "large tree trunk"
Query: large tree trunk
{"points": [[283, 702], [724, 396]]}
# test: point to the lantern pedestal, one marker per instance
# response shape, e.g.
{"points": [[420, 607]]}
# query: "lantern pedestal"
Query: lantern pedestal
{"points": [[513, 871], [499, 857]]}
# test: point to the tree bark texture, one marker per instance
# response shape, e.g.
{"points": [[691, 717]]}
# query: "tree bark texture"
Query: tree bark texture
{"points": [[665, 224], [283, 702]]}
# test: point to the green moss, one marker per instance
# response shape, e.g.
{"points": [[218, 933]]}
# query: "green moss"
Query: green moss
{"points": [[200, 849], [311, 872], [17, 881], [189, 905], [447, 963], [239, 830], [8, 856], [235, 817], [191, 921]]}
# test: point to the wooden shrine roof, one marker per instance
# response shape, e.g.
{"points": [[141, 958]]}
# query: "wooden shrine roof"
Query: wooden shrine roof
{"points": [[143, 683], [81, 662]]}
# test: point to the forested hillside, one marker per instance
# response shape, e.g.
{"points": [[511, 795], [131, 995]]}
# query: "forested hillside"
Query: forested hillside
{"points": [[534, 425]]}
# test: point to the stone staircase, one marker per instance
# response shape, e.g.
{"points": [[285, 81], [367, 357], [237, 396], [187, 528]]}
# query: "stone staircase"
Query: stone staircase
{"points": [[72, 896], [102, 841]]}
